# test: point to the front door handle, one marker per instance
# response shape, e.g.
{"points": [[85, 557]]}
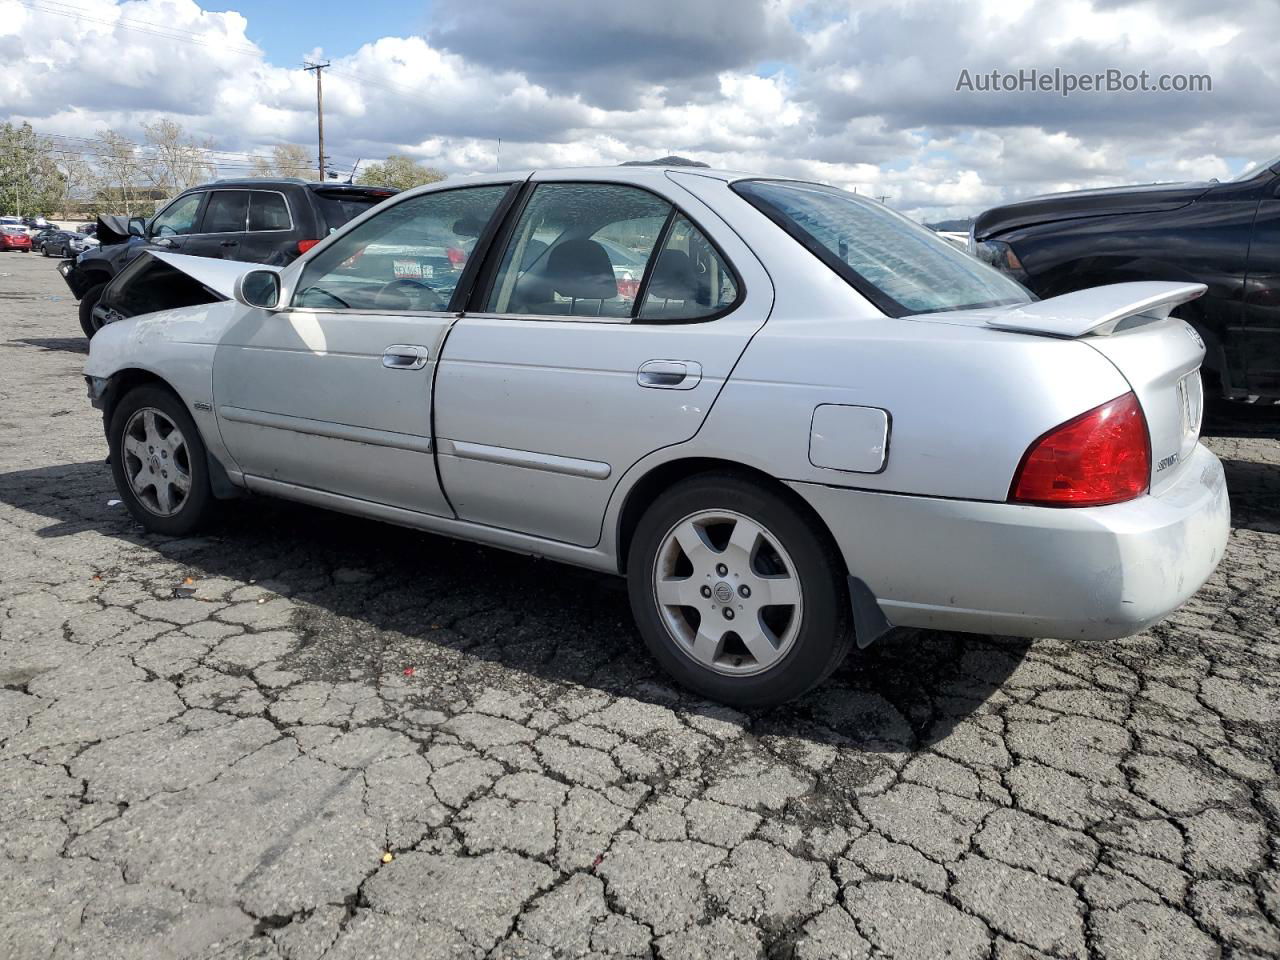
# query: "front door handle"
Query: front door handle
{"points": [[404, 356], [669, 374], [229, 243]]}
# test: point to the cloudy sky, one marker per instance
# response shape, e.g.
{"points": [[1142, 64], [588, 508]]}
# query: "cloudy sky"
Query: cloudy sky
{"points": [[859, 93]]}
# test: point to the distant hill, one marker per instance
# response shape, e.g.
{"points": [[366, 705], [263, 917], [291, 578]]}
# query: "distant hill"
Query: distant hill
{"points": [[665, 162], [951, 226]]}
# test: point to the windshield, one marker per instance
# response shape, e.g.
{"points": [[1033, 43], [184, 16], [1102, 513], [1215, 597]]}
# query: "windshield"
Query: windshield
{"points": [[900, 266], [1257, 169]]}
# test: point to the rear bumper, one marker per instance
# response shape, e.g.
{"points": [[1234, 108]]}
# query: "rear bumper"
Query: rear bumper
{"points": [[1092, 573]]}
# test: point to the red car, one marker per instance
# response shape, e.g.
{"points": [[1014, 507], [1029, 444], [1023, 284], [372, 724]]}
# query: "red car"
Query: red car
{"points": [[15, 238]]}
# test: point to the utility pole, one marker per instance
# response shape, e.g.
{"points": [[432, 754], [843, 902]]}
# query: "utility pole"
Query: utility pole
{"points": [[883, 197], [319, 69]]}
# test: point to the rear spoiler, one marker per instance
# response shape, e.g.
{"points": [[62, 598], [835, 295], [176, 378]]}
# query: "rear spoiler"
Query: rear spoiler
{"points": [[1095, 311]]}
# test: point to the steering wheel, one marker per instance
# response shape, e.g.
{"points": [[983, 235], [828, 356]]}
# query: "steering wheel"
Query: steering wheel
{"points": [[406, 293]]}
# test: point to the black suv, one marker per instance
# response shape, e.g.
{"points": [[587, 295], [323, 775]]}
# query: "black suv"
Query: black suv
{"points": [[267, 221], [1224, 235]]}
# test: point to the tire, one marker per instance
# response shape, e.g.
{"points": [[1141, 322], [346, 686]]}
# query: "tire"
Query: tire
{"points": [[802, 638], [141, 440], [87, 303], [66, 252], [44, 251]]}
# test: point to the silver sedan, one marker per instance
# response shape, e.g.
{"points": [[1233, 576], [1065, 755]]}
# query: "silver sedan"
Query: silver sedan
{"points": [[790, 417]]}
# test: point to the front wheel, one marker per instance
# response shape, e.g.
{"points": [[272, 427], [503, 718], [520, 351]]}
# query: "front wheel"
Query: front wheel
{"points": [[738, 593], [158, 462], [44, 251], [88, 324]]}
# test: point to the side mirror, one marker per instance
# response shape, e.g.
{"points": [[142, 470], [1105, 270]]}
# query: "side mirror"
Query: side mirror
{"points": [[258, 288], [137, 227]]}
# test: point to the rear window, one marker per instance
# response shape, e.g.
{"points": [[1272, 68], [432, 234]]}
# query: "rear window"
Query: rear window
{"points": [[338, 207], [900, 266]]}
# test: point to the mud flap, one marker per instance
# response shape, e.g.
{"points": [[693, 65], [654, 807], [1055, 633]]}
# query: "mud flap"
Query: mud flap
{"points": [[869, 621]]}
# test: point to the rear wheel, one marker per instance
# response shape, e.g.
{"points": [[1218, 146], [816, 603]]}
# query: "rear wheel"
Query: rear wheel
{"points": [[88, 324], [158, 462], [738, 594]]}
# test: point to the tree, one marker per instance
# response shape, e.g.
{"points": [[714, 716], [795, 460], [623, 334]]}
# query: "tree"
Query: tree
{"points": [[30, 181], [177, 161], [286, 160], [400, 172], [116, 169]]}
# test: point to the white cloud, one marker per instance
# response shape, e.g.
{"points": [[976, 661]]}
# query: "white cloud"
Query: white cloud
{"points": [[858, 94]]}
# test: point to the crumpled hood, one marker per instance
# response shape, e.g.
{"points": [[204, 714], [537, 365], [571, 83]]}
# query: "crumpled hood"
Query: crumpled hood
{"points": [[112, 229], [1145, 198], [218, 275]]}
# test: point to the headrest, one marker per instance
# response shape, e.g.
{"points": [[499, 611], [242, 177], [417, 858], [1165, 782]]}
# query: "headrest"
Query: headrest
{"points": [[674, 277], [581, 270]]}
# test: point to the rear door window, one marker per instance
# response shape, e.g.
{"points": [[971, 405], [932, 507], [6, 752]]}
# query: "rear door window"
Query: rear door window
{"points": [[611, 251], [268, 210], [579, 249], [690, 279], [227, 212]]}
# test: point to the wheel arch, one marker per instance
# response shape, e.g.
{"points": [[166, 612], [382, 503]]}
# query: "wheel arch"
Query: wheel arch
{"points": [[129, 378], [645, 491], [126, 379], [84, 278]]}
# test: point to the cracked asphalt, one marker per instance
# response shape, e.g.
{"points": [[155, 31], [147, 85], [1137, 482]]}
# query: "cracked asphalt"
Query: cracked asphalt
{"points": [[304, 735]]}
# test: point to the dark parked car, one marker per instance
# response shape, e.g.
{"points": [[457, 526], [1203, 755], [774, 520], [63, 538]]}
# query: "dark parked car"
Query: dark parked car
{"points": [[268, 221], [40, 236], [59, 243], [1225, 235]]}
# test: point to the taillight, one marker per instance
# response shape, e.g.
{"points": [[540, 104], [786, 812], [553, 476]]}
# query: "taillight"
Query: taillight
{"points": [[457, 258], [305, 245], [628, 288], [1102, 456]]}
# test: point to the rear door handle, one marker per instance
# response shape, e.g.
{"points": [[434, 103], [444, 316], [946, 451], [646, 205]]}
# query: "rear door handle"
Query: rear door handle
{"points": [[404, 356], [669, 374], [229, 243]]}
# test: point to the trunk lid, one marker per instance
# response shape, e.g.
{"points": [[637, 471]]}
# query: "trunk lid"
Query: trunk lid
{"points": [[1129, 324]]}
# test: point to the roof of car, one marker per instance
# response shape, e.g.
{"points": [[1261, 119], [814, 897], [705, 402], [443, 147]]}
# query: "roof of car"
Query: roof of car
{"points": [[291, 181], [615, 174]]}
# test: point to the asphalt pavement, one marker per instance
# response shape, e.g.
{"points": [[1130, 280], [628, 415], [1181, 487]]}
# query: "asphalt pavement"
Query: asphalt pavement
{"points": [[303, 735]]}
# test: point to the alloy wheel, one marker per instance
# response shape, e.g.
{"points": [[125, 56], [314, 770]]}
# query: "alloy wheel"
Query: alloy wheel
{"points": [[156, 462], [728, 592]]}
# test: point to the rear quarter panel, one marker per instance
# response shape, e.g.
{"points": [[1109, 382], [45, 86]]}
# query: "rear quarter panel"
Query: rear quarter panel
{"points": [[964, 404]]}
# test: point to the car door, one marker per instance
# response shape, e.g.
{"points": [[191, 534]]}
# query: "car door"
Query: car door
{"points": [[333, 392], [271, 237], [574, 363], [222, 226]]}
